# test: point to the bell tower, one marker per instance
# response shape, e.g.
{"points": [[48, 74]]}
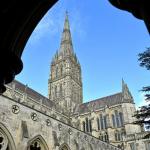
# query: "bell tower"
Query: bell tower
{"points": [[65, 82]]}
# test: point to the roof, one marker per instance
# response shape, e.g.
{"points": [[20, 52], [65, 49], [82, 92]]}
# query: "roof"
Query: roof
{"points": [[31, 93], [101, 103]]}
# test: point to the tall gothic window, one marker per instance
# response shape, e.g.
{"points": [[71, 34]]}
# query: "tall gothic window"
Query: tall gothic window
{"points": [[61, 70], [101, 122], [56, 91], [106, 137], [101, 137], [83, 126], [117, 118], [121, 118], [118, 136], [105, 122], [87, 124], [61, 91], [56, 72], [90, 125], [98, 125], [132, 146], [113, 120]]}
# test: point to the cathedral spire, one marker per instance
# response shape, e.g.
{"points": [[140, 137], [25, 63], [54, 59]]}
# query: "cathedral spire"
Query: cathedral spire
{"points": [[66, 41], [126, 92]]}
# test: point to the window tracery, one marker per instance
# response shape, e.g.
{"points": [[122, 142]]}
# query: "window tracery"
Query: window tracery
{"points": [[37, 143], [35, 146], [3, 142], [64, 147]]}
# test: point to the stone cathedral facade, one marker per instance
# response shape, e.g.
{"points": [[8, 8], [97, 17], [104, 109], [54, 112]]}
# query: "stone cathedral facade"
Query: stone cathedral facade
{"points": [[61, 121]]}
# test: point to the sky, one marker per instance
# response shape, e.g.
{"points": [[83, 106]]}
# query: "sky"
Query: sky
{"points": [[107, 42]]}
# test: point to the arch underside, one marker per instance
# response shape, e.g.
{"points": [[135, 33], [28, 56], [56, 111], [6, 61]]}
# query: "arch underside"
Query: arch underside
{"points": [[6, 139]]}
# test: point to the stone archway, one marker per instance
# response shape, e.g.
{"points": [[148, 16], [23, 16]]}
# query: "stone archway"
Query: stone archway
{"points": [[37, 143], [6, 139], [64, 147]]}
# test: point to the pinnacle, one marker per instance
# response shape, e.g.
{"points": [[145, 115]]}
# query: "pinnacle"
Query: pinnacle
{"points": [[66, 41]]}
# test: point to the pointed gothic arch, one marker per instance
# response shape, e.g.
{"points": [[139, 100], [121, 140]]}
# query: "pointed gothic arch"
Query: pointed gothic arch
{"points": [[6, 139], [64, 147], [37, 143]]}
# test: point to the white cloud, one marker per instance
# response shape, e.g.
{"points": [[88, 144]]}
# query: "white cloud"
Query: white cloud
{"points": [[48, 26], [52, 23], [77, 24]]}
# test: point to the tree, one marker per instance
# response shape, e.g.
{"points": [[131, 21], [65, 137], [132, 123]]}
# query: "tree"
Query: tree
{"points": [[144, 59], [143, 114]]}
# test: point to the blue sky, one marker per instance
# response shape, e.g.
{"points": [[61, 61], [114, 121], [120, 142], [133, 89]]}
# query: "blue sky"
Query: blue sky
{"points": [[106, 41]]}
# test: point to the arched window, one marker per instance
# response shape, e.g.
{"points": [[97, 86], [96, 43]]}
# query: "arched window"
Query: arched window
{"points": [[83, 126], [101, 122], [98, 125], [101, 137], [123, 133], [118, 136], [61, 90], [56, 91], [37, 143], [87, 124], [6, 140], [117, 118], [113, 120], [64, 147], [61, 70], [121, 118], [90, 125], [56, 73], [106, 137], [105, 122]]}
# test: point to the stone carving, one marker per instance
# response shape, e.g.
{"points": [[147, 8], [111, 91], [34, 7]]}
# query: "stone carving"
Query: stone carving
{"points": [[15, 109], [59, 127], [48, 122], [69, 131], [34, 116]]}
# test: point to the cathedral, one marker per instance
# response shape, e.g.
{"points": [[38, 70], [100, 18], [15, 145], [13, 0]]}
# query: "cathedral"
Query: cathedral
{"points": [[61, 121]]}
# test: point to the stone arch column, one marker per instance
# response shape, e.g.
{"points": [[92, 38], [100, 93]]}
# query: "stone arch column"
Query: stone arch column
{"points": [[37, 143], [6, 139]]}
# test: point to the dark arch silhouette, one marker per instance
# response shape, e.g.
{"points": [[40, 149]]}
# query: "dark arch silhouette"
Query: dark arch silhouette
{"points": [[64, 145], [18, 20], [40, 139], [6, 132]]}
